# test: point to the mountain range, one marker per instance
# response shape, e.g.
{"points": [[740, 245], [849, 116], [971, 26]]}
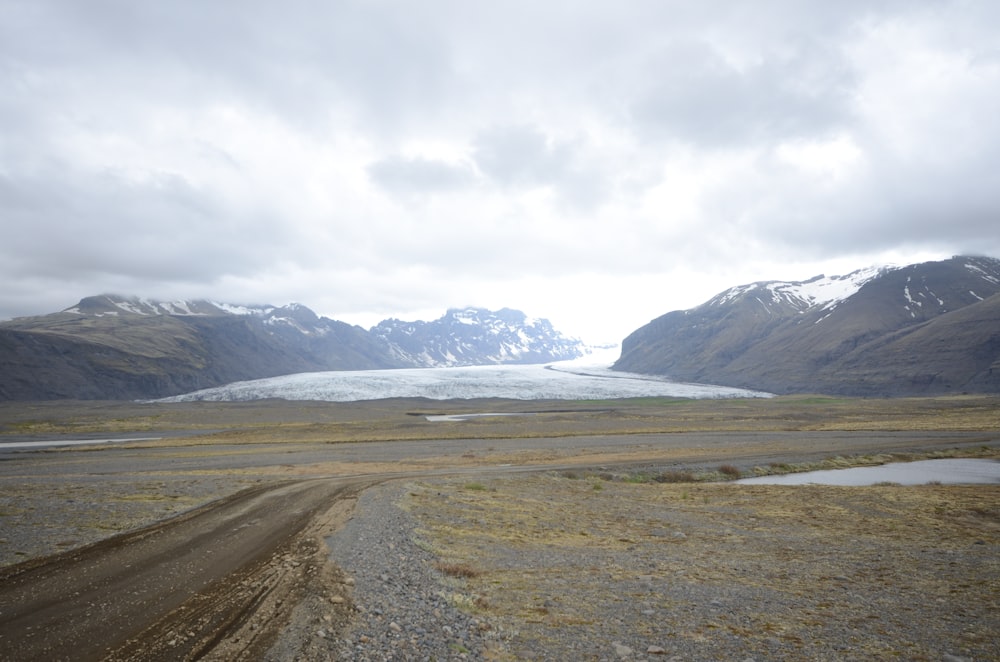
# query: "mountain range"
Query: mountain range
{"points": [[924, 329], [115, 347]]}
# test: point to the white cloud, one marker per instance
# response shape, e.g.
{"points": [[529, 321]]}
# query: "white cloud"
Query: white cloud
{"points": [[596, 163]]}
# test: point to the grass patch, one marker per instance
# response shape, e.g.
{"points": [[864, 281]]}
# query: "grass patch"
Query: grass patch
{"points": [[460, 570], [394, 420], [676, 476], [474, 487], [729, 471]]}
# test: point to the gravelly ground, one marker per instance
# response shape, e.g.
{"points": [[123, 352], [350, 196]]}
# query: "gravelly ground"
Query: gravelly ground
{"points": [[42, 515], [592, 569], [403, 608]]}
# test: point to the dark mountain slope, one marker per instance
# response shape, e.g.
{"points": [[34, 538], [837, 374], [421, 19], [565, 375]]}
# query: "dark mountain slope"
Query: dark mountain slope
{"points": [[952, 353], [112, 347], [846, 335]]}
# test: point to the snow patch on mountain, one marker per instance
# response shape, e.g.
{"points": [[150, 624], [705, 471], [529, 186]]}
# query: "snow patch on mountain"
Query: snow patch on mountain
{"points": [[981, 268], [824, 292], [476, 336]]}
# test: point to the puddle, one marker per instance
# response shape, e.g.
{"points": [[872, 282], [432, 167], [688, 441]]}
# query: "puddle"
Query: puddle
{"points": [[31, 445], [465, 417], [948, 472]]}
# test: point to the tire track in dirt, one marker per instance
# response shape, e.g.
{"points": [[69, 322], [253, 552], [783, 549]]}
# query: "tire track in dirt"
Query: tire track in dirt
{"points": [[180, 586]]}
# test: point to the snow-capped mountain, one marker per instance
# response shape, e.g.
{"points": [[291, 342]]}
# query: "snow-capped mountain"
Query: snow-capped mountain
{"points": [[294, 315], [115, 347], [476, 336], [820, 291], [923, 328]]}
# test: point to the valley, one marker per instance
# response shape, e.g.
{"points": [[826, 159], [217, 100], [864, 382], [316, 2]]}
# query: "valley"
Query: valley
{"points": [[124, 507]]}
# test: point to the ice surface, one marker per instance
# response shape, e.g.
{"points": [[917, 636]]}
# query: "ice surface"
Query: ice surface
{"points": [[569, 380]]}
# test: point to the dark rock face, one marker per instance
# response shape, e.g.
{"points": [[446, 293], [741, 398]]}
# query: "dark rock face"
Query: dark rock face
{"points": [[923, 329]]}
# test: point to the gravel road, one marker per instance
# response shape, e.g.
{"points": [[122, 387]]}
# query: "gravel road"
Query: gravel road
{"points": [[158, 590], [402, 606]]}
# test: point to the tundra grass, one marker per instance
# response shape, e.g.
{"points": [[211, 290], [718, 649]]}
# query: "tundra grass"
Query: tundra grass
{"points": [[812, 566], [324, 422]]}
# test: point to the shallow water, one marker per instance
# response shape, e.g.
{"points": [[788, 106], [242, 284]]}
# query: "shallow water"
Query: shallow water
{"points": [[69, 442], [959, 471]]}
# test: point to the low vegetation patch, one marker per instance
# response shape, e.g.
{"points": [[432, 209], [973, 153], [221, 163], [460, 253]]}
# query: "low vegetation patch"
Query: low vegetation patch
{"points": [[395, 420], [729, 471], [688, 563], [461, 570]]}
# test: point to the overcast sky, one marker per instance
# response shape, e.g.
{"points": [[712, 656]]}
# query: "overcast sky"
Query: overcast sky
{"points": [[595, 163]]}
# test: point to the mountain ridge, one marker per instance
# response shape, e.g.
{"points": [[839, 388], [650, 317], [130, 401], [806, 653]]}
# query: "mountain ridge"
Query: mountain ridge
{"points": [[125, 347], [855, 343], [505, 336]]}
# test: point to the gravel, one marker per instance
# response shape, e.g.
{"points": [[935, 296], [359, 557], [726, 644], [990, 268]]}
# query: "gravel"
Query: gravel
{"points": [[712, 573], [404, 608]]}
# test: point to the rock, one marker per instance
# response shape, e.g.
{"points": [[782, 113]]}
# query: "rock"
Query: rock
{"points": [[655, 650], [621, 650]]}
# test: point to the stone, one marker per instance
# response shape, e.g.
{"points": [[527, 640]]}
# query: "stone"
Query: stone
{"points": [[621, 650]]}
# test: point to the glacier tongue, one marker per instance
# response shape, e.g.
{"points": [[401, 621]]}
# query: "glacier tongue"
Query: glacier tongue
{"points": [[557, 381]]}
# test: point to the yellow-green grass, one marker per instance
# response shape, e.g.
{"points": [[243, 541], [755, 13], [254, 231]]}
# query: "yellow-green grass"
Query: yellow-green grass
{"points": [[323, 422]]}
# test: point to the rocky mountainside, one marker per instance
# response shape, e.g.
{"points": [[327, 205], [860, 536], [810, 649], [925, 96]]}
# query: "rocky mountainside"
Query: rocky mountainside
{"points": [[475, 336], [113, 347], [930, 328]]}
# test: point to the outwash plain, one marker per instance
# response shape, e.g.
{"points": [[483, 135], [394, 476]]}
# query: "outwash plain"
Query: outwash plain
{"points": [[597, 530]]}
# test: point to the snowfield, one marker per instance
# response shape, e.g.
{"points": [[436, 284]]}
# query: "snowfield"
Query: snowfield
{"points": [[567, 380]]}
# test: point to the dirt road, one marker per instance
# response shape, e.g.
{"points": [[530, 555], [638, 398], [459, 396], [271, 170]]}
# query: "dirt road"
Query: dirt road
{"points": [[180, 586]]}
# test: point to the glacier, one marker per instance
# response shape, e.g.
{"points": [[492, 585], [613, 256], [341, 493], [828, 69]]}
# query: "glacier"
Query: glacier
{"points": [[563, 380]]}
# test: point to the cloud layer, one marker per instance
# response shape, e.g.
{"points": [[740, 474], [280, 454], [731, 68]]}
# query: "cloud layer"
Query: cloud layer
{"points": [[596, 163]]}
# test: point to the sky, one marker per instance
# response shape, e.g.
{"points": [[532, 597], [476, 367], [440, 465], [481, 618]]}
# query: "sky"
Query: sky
{"points": [[594, 163]]}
